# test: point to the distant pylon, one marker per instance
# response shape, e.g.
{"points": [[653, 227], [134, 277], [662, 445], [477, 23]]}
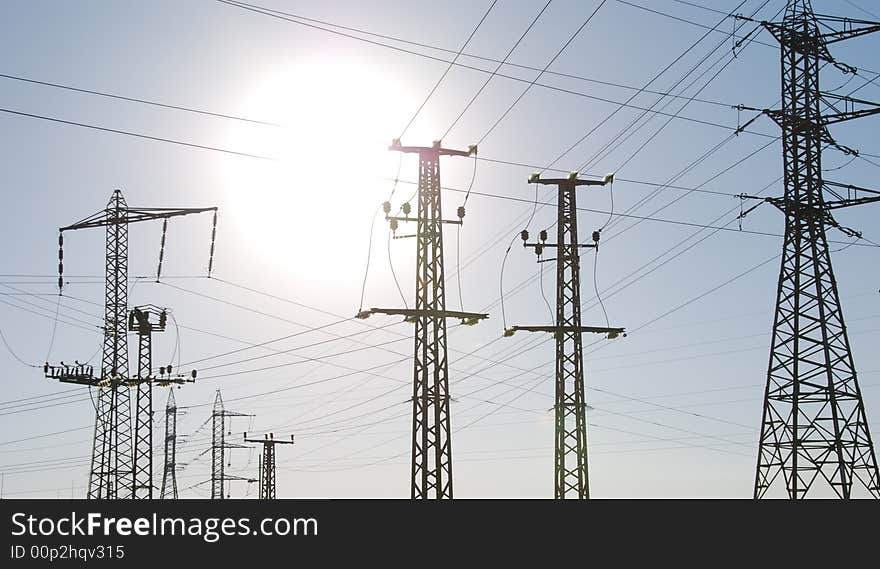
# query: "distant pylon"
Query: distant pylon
{"points": [[571, 478], [219, 444], [267, 463], [814, 432], [431, 431], [169, 477]]}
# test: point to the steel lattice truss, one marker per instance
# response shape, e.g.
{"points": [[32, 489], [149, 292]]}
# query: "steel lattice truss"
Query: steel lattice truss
{"points": [[431, 435], [431, 443], [570, 446], [111, 474], [219, 444], [169, 476], [143, 424], [267, 463], [571, 424], [267, 474], [814, 431], [218, 447]]}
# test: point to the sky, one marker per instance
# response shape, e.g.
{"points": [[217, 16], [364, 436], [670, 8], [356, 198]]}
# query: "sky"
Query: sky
{"points": [[675, 407]]}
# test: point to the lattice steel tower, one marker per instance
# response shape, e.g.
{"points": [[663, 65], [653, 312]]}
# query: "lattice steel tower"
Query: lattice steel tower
{"points": [[571, 478], [169, 476], [814, 433], [267, 463], [113, 467], [219, 444], [431, 432]]}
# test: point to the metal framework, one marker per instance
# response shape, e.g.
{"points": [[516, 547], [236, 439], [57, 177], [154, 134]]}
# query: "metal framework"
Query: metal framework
{"points": [[169, 476], [267, 463], [219, 444], [112, 473], [140, 321], [431, 434], [814, 432], [571, 478]]}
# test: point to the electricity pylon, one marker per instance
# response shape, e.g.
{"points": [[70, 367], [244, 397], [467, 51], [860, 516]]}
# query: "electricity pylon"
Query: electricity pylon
{"points": [[169, 476], [267, 463], [219, 444], [112, 470], [570, 463], [145, 320], [814, 426], [431, 433]]}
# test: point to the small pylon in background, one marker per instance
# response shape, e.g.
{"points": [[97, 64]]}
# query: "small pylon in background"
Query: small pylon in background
{"points": [[219, 444], [267, 463], [169, 477]]}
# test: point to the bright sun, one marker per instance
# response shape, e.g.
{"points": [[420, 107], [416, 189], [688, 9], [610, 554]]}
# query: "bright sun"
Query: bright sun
{"points": [[330, 155]]}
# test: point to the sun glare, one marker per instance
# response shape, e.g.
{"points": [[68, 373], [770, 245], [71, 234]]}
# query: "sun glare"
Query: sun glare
{"points": [[329, 153]]}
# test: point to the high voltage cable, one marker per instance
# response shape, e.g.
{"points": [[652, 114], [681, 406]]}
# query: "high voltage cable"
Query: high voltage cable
{"points": [[633, 96], [269, 12], [646, 218], [136, 100], [498, 68], [446, 71], [135, 134], [512, 78], [541, 74]]}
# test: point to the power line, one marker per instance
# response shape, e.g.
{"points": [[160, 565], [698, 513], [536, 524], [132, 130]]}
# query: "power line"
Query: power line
{"points": [[497, 68], [136, 100], [135, 134], [533, 81], [447, 70]]}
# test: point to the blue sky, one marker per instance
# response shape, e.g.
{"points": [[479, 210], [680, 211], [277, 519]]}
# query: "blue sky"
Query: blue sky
{"points": [[676, 404]]}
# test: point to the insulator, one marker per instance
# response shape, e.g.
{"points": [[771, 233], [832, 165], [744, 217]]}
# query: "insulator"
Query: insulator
{"points": [[393, 225], [406, 208], [596, 236], [60, 283], [524, 234], [46, 367], [193, 373], [163, 319], [539, 250], [60, 269], [169, 369], [461, 212], [213, 240], [386, 207], [162, 249], [162, 370], [60, 254], [543, 235], [61, 240]]}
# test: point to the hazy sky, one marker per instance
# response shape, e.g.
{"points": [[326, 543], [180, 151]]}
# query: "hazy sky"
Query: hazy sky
{"points": [[676, 406]]}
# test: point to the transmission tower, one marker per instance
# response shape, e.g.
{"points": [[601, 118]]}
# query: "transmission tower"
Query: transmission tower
{"points": [[169, 477], [267, 463], [219, 444], [112, 470], [570, 470], [431, 434], [814, 431], [145, 320]]}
